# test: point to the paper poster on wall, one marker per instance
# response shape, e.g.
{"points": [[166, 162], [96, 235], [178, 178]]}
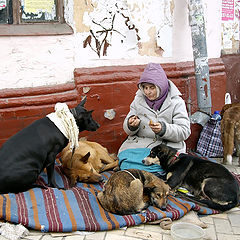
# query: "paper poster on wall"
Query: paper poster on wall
{"points": [[238, 7], [227, 10], [3, 4], [34, 6]]}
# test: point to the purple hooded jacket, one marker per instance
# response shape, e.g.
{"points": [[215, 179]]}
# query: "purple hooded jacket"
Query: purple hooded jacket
{"points": [[154, 73]]}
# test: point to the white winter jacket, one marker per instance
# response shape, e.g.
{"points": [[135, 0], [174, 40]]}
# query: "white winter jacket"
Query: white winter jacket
{"points": [[173, 116]]}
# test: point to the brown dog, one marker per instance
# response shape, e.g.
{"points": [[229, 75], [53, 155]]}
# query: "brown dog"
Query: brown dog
{"points": [[230, 131], [87, 162], [131, 191], [226, 106]]}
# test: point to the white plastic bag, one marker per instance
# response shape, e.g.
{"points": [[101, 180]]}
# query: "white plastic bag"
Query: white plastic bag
{"points": [[228, 98]]}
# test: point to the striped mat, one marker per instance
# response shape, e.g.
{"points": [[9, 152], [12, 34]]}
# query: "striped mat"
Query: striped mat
{"points": [[77, 208]]}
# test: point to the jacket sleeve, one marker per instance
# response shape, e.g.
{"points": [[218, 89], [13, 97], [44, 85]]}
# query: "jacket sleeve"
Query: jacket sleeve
{"points": [[132, 112], [179, 130]]}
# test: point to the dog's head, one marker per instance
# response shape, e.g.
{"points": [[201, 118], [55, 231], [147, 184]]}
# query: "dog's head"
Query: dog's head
{"points": [[82, 171], [84, 118], [158, 192], [160, 155]]}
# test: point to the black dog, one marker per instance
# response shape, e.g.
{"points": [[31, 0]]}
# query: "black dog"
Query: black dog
{"points": [[25, 155], [211, 183]]}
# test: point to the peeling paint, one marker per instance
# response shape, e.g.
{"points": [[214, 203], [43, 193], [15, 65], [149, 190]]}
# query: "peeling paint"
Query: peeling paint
{"points": [[205, 90], [86, 89], [107, 20], [80, 7], [161, 33], [95, 96], [150, 48], [110, 114], [119, 27], [196, 21], [200, 64]]}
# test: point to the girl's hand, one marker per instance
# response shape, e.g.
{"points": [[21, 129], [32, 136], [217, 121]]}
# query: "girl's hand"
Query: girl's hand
{"points": [[134, 121], [156, 127]]}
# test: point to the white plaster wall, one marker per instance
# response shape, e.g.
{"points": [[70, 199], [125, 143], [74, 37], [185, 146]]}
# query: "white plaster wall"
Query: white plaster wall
{"points": [[36, 61], [47, 60], [213, 16], [144, 16], [182, 40]]}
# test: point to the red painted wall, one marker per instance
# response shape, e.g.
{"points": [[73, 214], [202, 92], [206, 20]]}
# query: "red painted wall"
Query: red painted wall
{"points": [[106, 88], [232, 68]]}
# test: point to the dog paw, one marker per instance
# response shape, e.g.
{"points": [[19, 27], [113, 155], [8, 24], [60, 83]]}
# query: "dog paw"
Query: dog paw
{"points": [[229, 159], [116, 169]]}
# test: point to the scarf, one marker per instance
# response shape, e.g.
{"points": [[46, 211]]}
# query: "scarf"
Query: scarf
{"points": [[65, 122]]}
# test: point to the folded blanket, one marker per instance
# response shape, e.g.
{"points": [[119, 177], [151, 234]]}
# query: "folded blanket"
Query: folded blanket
{"points": [[77, 208], [132, 158]]}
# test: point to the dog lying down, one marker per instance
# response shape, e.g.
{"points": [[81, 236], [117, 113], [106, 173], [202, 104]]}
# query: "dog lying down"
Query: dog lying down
{"points": [[132, 191], [210, 183], [87, 162]]}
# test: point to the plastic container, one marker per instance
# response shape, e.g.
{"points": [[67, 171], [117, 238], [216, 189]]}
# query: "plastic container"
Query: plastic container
{"points": [[186, 231], [216, 116]]}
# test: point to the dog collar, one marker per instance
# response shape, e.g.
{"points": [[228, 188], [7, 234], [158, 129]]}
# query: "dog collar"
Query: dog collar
{"points": [[175, 157], [124, 170]]}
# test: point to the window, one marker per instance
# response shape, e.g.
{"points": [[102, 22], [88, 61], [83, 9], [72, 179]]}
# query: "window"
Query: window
{"points": [[32, 17]]}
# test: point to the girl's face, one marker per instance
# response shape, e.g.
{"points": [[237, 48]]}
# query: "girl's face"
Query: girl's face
{"points": [[150, 91]]}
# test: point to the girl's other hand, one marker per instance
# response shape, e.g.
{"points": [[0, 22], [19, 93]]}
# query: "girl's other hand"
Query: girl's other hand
{"points": [[134, 121]]}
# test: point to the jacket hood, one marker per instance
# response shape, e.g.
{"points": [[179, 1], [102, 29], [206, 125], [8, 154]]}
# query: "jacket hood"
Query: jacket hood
{"points": [[154, 74]]}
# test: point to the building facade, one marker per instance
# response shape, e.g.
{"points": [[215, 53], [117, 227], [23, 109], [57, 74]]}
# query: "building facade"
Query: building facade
{"points": [[61, 50]]}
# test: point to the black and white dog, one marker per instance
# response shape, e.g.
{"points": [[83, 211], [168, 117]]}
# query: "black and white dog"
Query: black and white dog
{"points": [[210, 183], [25, 155]]}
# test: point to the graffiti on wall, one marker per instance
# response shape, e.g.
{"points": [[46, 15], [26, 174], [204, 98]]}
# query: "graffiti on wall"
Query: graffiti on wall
{"points": [[128, 28], [101, 34]]}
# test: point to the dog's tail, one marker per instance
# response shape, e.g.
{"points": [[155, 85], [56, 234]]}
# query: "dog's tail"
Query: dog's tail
{"points": [[210, 204], [228, 140]]}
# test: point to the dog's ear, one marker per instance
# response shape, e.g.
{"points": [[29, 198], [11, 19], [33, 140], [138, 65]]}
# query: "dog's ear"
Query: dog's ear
{"points": [[149, 187], [83, 101], [85, 158], [79, 108], [166, 153]]}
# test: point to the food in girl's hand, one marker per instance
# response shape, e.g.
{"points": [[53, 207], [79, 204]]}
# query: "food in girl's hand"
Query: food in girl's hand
{"points": [[150, 122]]}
